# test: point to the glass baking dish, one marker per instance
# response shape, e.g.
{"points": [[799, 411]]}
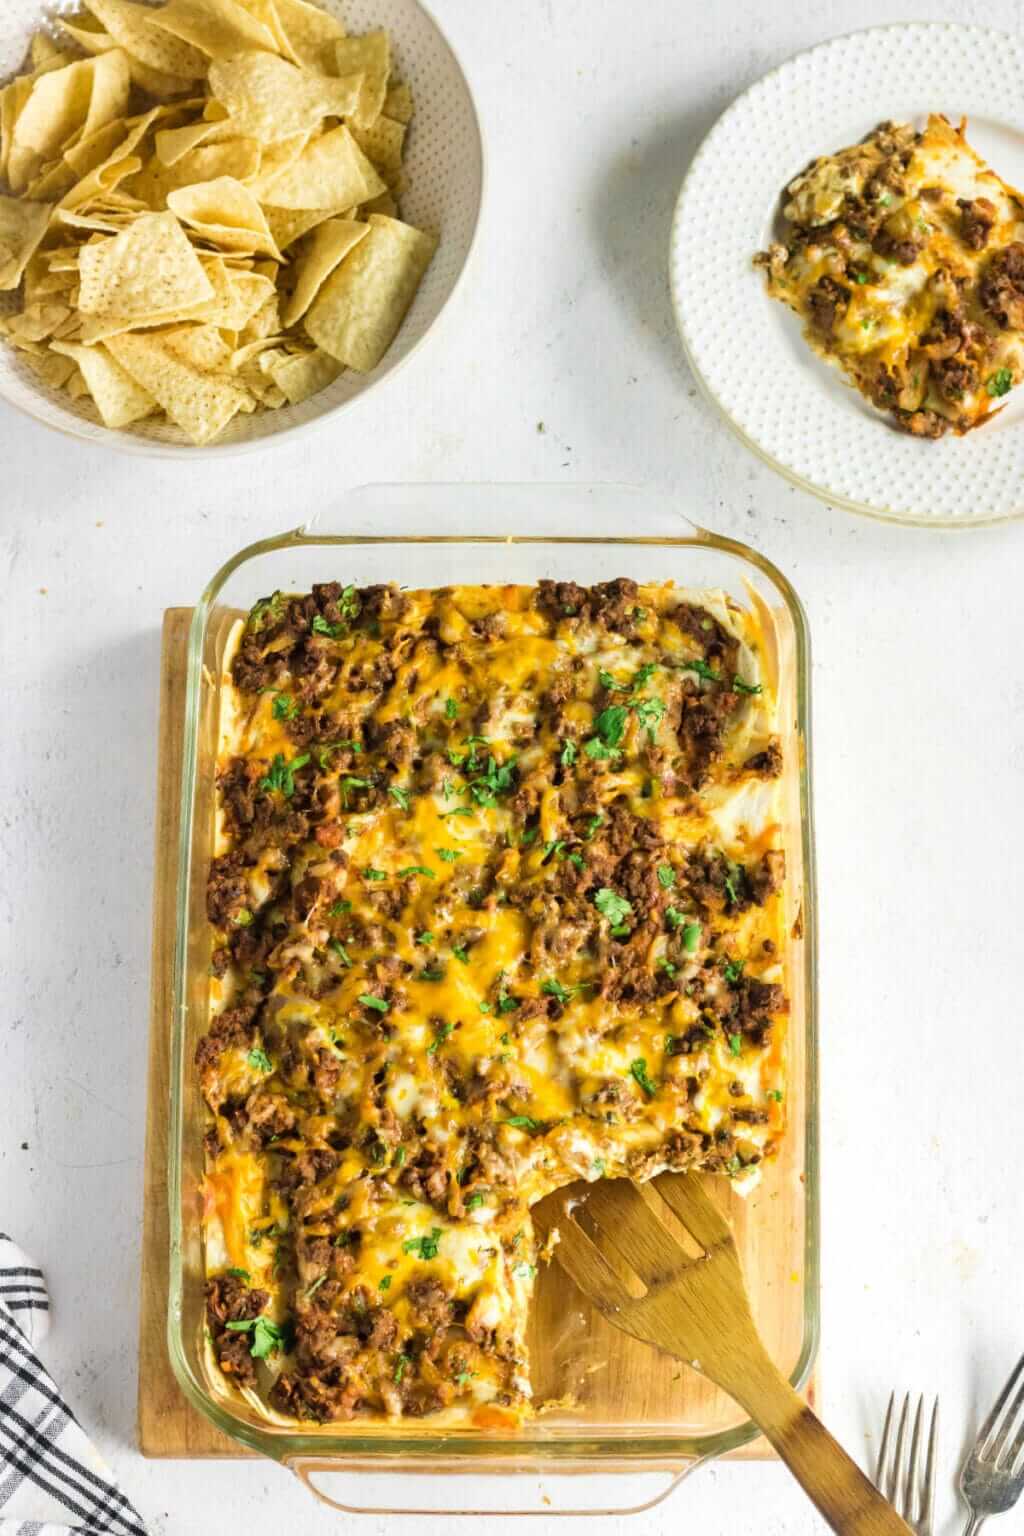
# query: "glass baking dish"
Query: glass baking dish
{"points": [[639, 1422]]}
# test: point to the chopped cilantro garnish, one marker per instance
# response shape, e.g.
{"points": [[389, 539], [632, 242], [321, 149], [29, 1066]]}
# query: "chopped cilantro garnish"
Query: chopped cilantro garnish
{"points": [[369, 873], [240, 1274], [463, 1377], [650, 713], [285, 707], [282, 774], [577, 859], [266, 1339], [484, 1007], [384, 1283], [638, 1071], [416, 869], [664, 964], [259, 1060], [702, 670], [568, 754], [506, 1004], [612, 906], [339, 949], [608, 682], [553, 988], [776, 1094], [451, 709], [999, 383], [525, 1271], [735, 1044], [522, 1123], [592, 826], [666, 876], [691, 938], [643, 675], [732, 970], [424, 1247], [552, 849], [349, 783], [379, 1004], [426, 937], [609, 727], [431, 975], [440, 1036], [400, 1365], [320, 626], [732, 873], [734, 1165], [461, 953], [317, 1283], [338, 908], [459, 810], [598, 1166], [400, 797], [739, 686], [448, 854], [243, 918], [475, 1201]]}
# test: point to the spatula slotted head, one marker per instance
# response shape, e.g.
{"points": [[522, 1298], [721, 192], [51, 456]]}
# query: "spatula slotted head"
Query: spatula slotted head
{"points": [[626, 1247]]}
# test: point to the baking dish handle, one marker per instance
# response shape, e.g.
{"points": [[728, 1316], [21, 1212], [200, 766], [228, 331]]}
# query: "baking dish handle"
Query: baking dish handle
{"points": [[575, 1487], [520, 511]]}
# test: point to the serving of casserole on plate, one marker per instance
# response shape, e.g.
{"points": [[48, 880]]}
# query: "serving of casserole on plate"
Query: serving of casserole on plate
{"points": [[497, 902], [899, 249]]}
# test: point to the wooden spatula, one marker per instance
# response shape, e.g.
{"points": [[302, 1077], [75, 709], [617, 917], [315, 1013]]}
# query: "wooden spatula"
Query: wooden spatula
{"points": [[615, 1244]]}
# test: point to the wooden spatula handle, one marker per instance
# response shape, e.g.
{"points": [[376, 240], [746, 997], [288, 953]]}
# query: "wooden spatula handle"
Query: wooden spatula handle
{"points": [[844, 1496]]}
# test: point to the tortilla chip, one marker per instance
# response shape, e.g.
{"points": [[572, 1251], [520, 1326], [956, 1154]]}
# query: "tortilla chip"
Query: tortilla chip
{"points": [[289, 224], [369, 56], [116, 395], [118, 164], [39, 320], [382, 143], [265, 322], [237, 158], [270, 99], [171, 143], [146, 270], [311, 34], [358, 311], [22, 227], [201, 405], [225, 212], [384, 204], [57, 106], [237, 296], [218, 28], [398, 102], [54, 371], [276, 159], [329, 244], [304, 375], [133, 28], [156, 82], [331, 172]]}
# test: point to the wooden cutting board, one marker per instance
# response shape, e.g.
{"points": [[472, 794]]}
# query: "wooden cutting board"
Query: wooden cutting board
{"points": [[168, 1424]]}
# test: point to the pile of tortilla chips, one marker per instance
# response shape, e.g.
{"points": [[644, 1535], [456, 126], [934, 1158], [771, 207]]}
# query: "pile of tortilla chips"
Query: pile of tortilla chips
{"points": [[203, 209]]}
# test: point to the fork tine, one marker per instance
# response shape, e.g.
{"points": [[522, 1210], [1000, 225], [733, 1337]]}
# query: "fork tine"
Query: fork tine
{"points": [[1009, 1419], [990, 1423], [896, 1470], [910, 1498], [928, 1492], [1013, 1454], [883, 1449]]}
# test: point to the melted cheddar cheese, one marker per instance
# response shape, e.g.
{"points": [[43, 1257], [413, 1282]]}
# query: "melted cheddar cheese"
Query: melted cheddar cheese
{"points": [[905, 257], [497, 905]]}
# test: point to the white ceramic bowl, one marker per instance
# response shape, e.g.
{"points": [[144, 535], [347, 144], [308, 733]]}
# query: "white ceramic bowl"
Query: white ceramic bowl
{"points": [[444, 167]]}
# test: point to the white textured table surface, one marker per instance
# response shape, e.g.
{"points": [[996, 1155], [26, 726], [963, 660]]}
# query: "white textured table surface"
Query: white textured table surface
{"points": [[592, 111]]}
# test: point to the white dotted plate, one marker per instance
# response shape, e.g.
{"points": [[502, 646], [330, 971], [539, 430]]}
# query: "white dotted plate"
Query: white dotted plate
{"points": [[791, 407], [444, 171]]}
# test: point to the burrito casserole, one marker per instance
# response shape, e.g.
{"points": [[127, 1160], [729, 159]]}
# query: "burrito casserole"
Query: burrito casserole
{"points": [[497, 904]]}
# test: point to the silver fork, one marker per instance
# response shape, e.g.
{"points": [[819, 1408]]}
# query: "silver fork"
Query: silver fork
{"points": [[993, 1475], [911, 1495]]}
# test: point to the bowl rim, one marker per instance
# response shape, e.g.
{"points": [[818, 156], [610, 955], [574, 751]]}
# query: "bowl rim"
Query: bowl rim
{"points": [[125, 442]]}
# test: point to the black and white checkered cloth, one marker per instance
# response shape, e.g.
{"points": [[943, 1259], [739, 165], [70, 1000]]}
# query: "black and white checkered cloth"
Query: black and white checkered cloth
{"points": [[52, 1481]]}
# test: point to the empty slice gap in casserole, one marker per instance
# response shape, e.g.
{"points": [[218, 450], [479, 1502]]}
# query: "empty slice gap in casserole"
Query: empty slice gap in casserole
{"points": [[904, 256], [497, 904]]}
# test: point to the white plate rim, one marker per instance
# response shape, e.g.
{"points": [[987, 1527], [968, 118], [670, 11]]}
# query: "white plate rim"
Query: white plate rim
{"points": [[832, 496]]}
